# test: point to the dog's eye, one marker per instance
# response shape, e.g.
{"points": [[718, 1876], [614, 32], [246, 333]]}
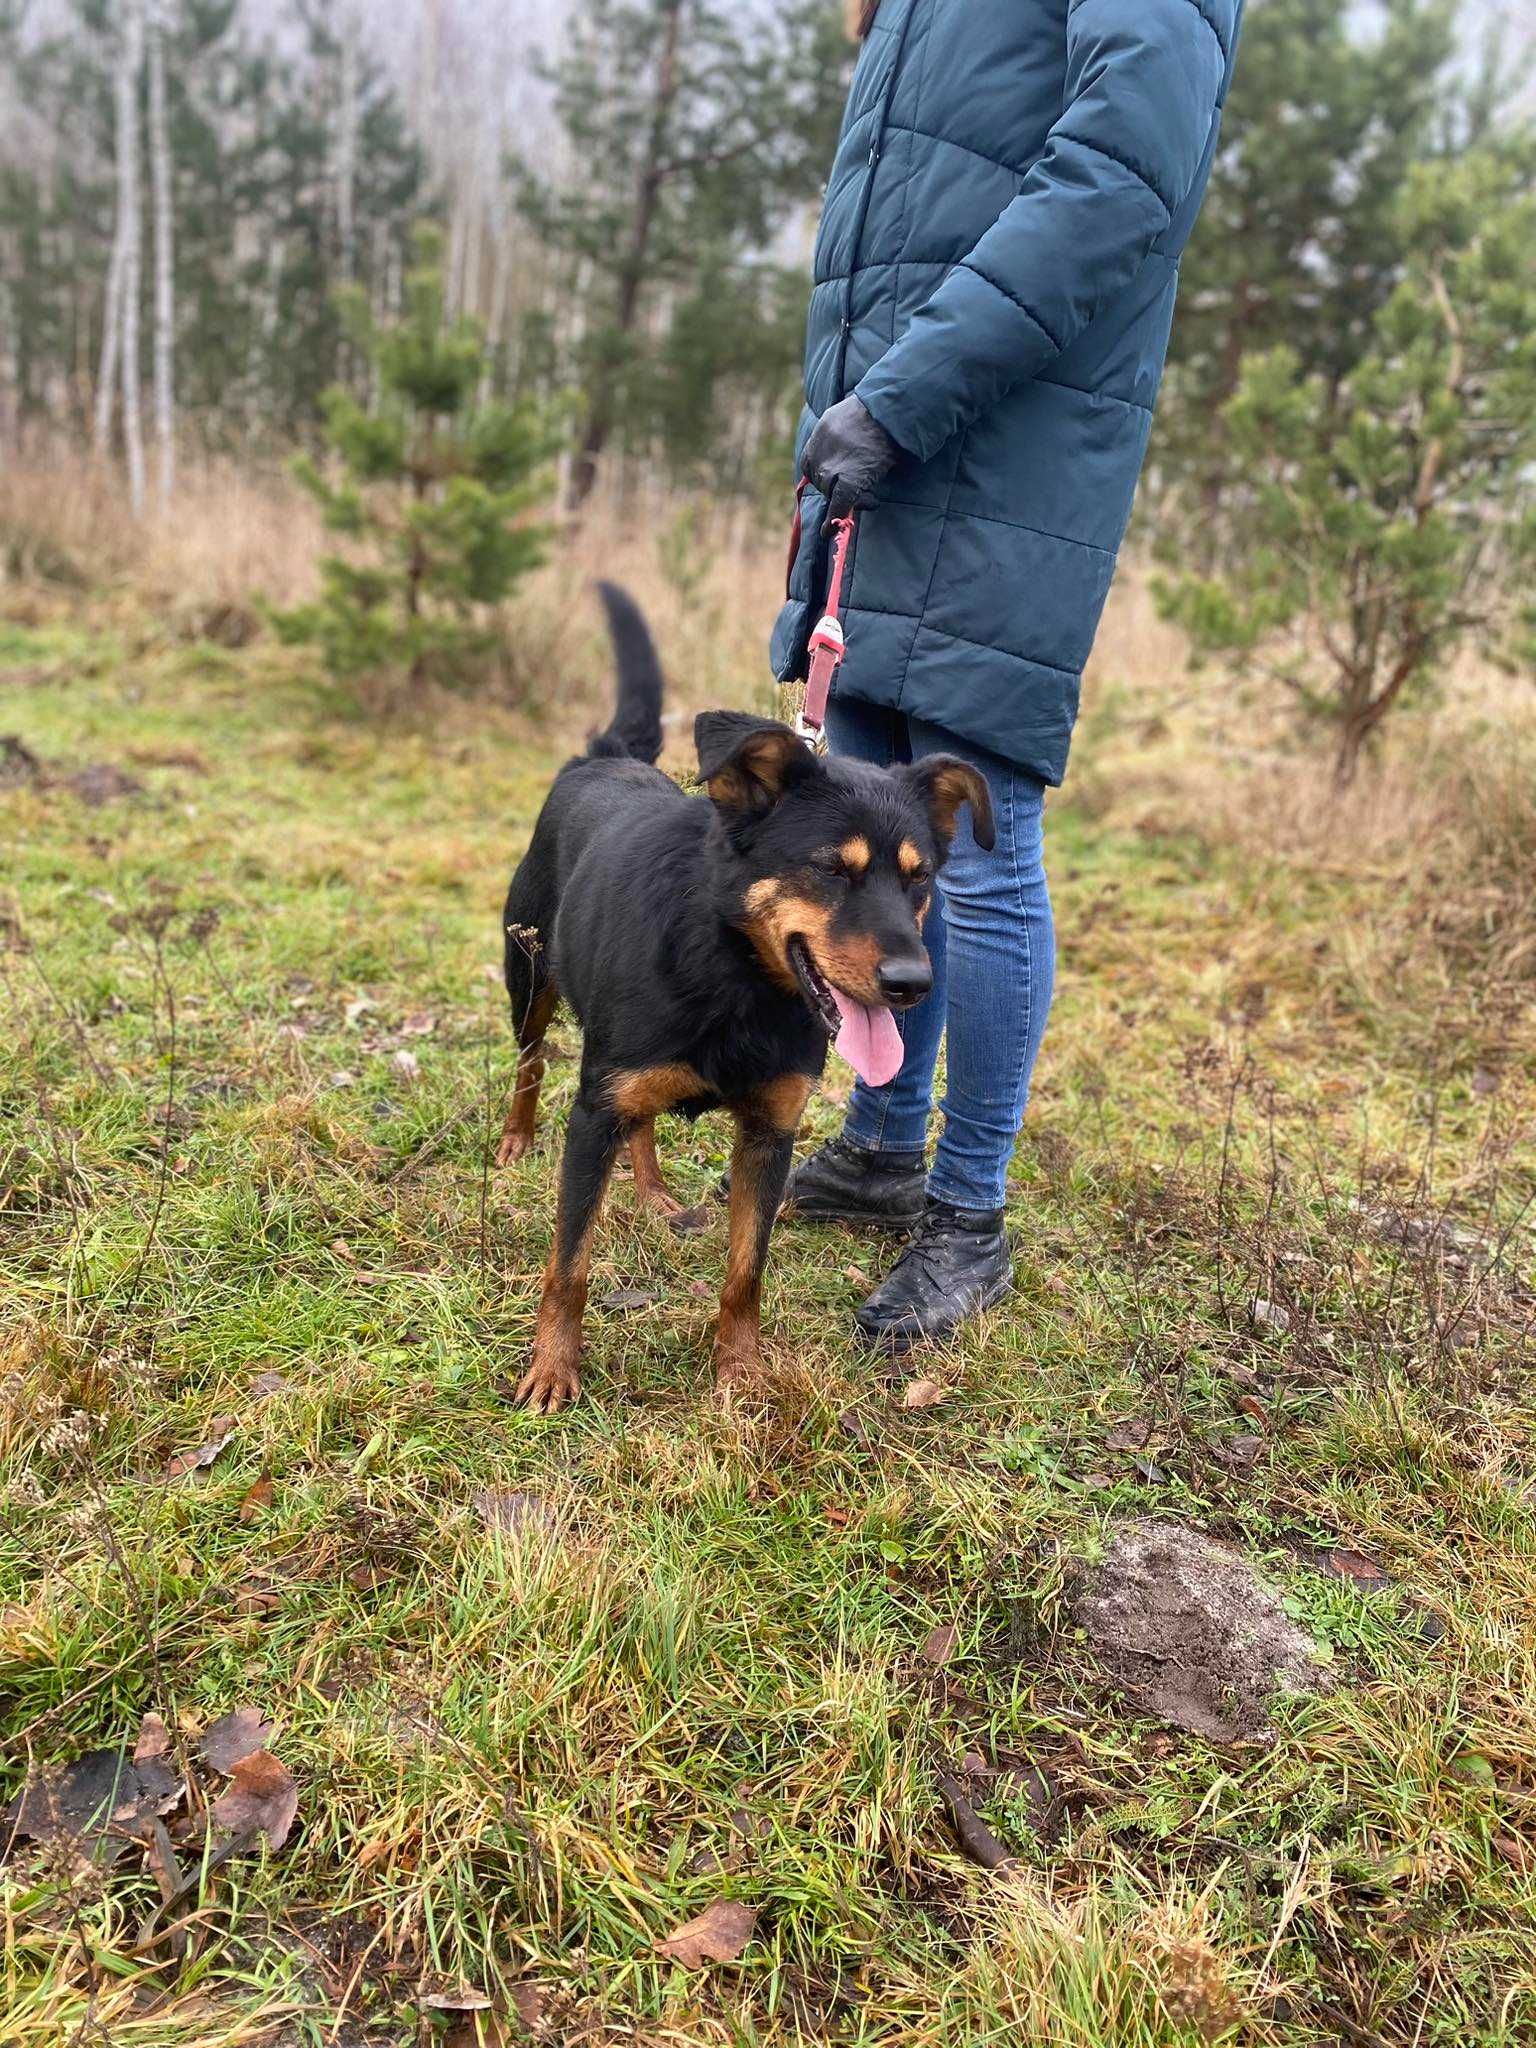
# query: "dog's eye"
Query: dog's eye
{"points": [[830, 865], [919, 879]]}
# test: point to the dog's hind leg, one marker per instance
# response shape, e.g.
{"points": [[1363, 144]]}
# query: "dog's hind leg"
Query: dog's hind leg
{"points": [[651, 1190], [760, 1163], [553, 1378], [533, 995]]}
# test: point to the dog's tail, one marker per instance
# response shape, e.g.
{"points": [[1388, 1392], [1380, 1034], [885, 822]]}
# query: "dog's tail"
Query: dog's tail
{"points": [[635, 730]]}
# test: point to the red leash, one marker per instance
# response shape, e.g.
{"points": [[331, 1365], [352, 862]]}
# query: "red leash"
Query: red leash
{"points": [[827, 644]]}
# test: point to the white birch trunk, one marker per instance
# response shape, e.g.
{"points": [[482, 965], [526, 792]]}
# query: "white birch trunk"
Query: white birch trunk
{"points": [[128, 189], [165, 273], [346, 148], [112, 300]]}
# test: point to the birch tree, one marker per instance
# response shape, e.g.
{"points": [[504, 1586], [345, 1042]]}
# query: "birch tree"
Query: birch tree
{"points": [[130, 66], [165, 274]]}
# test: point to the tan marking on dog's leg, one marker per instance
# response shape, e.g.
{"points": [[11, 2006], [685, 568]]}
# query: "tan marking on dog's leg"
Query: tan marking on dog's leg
{"points": [[553, 1378], [517, 1132], [651, 1190], [760, 1162]]}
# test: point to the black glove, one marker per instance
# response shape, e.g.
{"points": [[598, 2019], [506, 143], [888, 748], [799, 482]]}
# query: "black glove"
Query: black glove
{"points": [[848, 453]]}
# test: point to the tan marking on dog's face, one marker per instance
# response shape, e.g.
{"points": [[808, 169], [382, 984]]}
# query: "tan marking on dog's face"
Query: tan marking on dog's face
{"points": [[645, 1092], [855, 855], [774, 916], [909, 859]]}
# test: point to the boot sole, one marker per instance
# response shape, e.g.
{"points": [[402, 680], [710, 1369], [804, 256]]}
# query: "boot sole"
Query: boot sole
{"points": [[896, 1343], [860, 1219]]}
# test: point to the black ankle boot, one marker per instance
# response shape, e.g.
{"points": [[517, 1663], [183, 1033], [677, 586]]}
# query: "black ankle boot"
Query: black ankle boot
{"points": [[844, 1183], [958, 1263]]}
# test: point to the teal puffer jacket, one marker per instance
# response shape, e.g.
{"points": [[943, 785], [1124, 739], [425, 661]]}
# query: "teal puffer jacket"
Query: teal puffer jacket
{"points": [[994, 276]]}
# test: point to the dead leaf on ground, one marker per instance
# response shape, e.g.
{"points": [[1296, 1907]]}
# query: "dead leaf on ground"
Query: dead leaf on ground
{"points": [[922, 1394], [100, 1791], [458, 1998], [717, 1935], [258, 1499], [859, 1278], [940, 1646], [221, 1429], [1132, 1433], [154, 1739], [420, 1025], [626, 1300], [234, 1736], [359, 1007], [406, 1065], [262, 1799], [257, 1597], [1354, 1566], [266, 1384], [528, 2002]]}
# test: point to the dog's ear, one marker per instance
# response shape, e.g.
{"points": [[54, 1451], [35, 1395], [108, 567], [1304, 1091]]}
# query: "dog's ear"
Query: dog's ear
{"points": [[945, 782], [746, 762]]}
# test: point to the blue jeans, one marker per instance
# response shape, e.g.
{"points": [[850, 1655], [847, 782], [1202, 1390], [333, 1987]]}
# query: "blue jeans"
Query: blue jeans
{"points": [[993, 947]]}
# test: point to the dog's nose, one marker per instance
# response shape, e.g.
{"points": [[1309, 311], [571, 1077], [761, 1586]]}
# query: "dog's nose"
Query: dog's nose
{"points": [[904, 981]]}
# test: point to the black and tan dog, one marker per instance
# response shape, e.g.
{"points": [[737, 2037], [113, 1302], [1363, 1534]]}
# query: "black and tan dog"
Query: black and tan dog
{"points": [[711, 947]]}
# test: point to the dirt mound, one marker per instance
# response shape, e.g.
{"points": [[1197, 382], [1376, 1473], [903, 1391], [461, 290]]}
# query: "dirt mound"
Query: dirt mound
{"points": [[1187, 1630]]}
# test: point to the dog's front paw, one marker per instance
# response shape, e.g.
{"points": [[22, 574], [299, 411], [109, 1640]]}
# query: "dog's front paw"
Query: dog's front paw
{"points": [[513, 1145], [738, 1368], [548, 1385]]}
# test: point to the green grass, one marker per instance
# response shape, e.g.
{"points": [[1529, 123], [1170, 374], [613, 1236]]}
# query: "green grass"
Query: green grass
{"points": [[695, 1666]]}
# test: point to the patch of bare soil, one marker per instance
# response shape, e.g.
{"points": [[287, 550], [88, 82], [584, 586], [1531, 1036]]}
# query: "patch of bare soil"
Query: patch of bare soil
{"points": [[1184, 1627]]}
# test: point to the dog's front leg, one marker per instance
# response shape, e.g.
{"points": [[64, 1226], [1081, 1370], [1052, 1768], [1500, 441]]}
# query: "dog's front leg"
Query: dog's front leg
{"points": [[591, 1141], [760, 1163]]}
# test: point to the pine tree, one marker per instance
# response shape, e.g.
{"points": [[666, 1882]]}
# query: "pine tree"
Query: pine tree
{"points": [[1298, 242], [435, 491], [698, 127], [1380, 520]]}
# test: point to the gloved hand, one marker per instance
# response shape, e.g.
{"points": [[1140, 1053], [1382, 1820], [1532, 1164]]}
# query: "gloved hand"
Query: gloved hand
{"points": [[848, 453]]}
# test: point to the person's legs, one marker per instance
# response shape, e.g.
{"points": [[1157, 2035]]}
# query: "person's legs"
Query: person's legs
{"points": [[1000, 970], [894, 1119]]}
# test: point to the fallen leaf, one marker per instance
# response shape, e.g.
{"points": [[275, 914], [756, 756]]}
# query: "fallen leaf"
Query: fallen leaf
{"points": [[1354, 1566], [255, 1598], [1148, 1470], [221, 1429], [154, 1739], [343, 1250], [626, 1299], [342, 1078], [262, 1799], [406, 1065], [1133, 1433], [717, 1935], [1255, 1410], [418, 1026], [1484, 1081], [1268, 1315], [266, 1384], [859, 1278], [507, 1512], [700, 1290], [100, 1791], [359, 1007], [528, 2002], [235, 1736], [922, 1394], [940, 1645], [258, 1500], [460, 1998], [837, 1517]]}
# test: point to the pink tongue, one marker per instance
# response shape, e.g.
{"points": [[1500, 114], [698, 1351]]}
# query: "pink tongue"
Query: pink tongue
{"points": [[869, 1041]]}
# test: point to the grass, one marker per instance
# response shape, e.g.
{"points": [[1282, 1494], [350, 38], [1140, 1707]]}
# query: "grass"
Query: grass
{"points": [[253, 1065]]}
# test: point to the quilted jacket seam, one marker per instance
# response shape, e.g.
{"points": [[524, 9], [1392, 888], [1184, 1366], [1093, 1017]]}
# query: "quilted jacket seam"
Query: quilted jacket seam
{"points": [[1113, 157], [1003, 292]]}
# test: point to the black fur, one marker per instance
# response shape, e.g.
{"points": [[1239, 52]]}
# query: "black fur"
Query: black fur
{"points": [[634, 902]]}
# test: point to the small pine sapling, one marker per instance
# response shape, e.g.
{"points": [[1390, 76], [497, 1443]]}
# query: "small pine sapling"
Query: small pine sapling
{"points": [[1385, 523], [434, 485]]}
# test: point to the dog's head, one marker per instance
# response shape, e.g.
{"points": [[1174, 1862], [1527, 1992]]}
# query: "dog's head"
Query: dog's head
{"points": [[829, 871]]}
